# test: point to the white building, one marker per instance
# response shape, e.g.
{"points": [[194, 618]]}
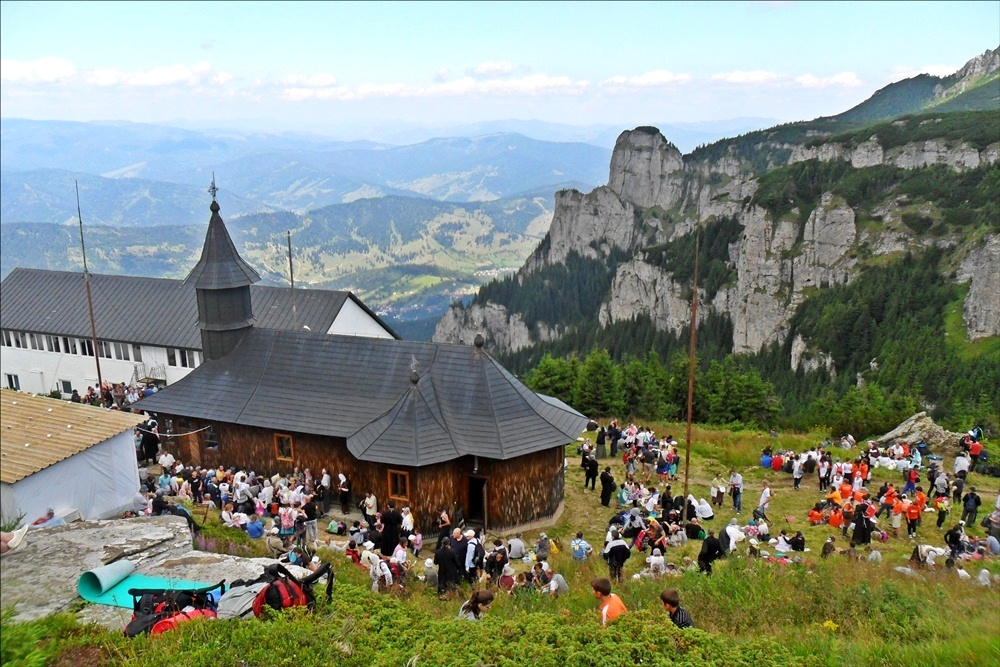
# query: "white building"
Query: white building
{"points": [[65, 456], [147, 328]]}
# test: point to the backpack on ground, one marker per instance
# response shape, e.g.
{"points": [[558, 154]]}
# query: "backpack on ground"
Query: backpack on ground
{"points": [[276, 588], [238, 601], [151, 606]]}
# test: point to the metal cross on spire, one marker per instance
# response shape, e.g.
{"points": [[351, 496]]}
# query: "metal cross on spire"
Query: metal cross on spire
{"points": [[212, 189]]}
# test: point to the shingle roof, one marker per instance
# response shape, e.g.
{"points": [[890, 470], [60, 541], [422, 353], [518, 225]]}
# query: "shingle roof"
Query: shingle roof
{"points": [[220, 266], [53, 431], [151, 311], [360, 389]]}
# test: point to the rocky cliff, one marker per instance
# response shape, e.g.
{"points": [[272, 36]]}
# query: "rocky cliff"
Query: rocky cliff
{"points": [[656, 196]]}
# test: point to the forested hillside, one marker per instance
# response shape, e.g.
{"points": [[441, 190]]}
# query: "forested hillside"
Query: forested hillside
{"points": [[849, 274]]}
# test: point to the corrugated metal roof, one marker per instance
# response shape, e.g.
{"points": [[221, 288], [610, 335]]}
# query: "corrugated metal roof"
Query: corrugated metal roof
{"points": [[360, 389], [220, 266], [37, 432], [150, 311]]}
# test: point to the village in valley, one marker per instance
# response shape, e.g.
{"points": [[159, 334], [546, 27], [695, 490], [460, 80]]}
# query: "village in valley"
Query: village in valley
{"points": [[422, 345]]}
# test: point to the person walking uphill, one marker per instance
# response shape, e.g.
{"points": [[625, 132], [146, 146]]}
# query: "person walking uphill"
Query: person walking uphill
{"points": [[611, 605], [616, 553], [970, 506], [678, 615]]}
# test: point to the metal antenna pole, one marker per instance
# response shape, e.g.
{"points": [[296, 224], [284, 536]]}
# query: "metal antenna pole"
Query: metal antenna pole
{"points": [[291, 279], [90, 301], [694, 322]]}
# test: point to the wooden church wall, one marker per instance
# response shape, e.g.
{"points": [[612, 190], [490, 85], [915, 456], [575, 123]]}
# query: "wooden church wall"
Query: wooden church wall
{"points": [[519, 490]]}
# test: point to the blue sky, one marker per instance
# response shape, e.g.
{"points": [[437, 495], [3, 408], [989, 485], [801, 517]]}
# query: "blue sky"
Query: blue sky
{"points": [[329, 67]]}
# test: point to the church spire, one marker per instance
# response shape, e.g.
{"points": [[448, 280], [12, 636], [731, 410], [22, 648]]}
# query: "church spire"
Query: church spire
{"points": [[220, 266], [222, 284]]}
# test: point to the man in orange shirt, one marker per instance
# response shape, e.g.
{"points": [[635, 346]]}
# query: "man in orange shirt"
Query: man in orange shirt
{"points": [[921, 500], [975, 449], [611, 605]]}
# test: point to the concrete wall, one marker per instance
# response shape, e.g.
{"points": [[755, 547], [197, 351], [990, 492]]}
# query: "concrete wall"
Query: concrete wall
{"points": [[40, 371], [352, 320]]}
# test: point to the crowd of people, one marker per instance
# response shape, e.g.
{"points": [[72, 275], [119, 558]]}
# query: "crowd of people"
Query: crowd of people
{"points": [[648, 519], [114, 395]]}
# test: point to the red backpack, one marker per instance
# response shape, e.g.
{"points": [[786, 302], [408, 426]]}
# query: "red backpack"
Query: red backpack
{"points": [[281, 593]]}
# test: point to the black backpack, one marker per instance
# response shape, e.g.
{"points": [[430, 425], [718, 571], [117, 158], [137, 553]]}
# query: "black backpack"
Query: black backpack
{"points": [[479, 556]]}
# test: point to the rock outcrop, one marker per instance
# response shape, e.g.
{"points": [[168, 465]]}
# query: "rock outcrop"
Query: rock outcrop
{"points": [[645, 168], [583, 221], [40, 578], [642, 289], [981, 269], [960, 157], [920, 428], [502, 330]]}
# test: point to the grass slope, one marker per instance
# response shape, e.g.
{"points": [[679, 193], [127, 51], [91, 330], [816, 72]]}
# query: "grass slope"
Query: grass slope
{"points": [[821, 612]]}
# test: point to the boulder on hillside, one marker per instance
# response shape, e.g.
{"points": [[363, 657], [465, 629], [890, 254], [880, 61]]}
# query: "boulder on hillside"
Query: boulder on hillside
{"points": [[920, 428]]}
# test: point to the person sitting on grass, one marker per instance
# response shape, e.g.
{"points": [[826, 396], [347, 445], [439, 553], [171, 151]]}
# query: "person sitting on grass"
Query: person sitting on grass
{"points": [[255, 528], [816, 515]]}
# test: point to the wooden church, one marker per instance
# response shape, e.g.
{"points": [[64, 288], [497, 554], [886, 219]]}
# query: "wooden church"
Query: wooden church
{"points": [[425, 424]]}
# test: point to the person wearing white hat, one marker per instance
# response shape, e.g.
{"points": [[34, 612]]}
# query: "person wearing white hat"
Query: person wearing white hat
{"points": [[430, 574], [474, 556]]}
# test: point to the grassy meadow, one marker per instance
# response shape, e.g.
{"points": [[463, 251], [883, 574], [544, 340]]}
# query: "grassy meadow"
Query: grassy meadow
{"points": [[820, 612]]}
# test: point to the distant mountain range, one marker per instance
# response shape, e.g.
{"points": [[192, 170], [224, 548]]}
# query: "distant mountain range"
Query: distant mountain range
{"points": [[410, 228], [408, 257], [269, 172]]}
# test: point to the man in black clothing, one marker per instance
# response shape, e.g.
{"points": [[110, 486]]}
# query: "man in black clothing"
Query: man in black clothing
{"points": [[591, 476], [616, 553], [711, 551], [392, 521], [607, 487], [448, 576], [672, 603]]}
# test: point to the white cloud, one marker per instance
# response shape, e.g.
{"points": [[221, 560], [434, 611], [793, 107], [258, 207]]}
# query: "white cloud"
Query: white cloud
{"points": [[841, 80], [222, 78], [534, 85], [900, 73], [656, 78], [314, 81], [747, 76], [171, 75], [489, 70], [44, 70]]}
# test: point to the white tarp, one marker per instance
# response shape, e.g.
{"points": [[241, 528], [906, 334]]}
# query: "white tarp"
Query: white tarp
{"points": [[100, 482]]}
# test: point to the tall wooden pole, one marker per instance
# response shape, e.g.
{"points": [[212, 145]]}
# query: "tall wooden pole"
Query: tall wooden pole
{"points": [[291, 279], [90, 301], [694, 323]]}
